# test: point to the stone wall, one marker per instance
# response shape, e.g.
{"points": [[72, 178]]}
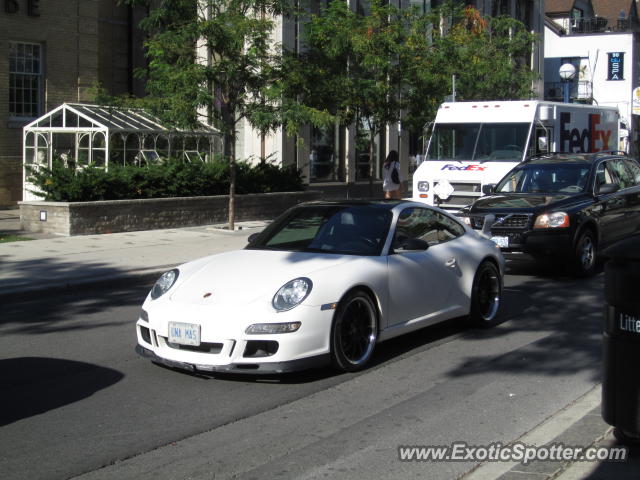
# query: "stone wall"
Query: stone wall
{"points": [[88, 218], [10, 180]]}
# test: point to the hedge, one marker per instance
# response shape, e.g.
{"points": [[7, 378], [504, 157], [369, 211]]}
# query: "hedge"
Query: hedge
{"points": [[168, 178]]}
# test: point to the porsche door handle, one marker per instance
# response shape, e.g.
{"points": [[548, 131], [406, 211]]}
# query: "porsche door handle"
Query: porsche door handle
{"points": [[451, 263]]}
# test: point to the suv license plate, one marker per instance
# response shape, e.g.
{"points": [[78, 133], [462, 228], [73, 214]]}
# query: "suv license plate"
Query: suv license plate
{"points": [[184, 333], [502, 242]]}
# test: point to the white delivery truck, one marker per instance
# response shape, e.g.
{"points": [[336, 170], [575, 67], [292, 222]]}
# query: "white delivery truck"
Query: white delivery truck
{"points": [[476, 143]]}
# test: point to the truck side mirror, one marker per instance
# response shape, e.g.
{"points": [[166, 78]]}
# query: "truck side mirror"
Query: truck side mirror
{"points": [[543, 144], [489, 188]]}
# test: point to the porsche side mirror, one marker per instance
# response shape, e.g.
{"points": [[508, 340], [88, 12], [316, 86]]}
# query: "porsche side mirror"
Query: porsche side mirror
{"points": [[414, 244], [607, 188], [488, 189], [252, 237]]}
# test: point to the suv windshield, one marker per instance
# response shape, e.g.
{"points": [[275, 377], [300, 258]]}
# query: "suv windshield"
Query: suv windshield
{"points": [[352, 230], [484, 142], [545, 178]]}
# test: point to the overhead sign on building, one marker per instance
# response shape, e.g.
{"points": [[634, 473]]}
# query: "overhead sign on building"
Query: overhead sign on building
{"points": [[616, 66]]}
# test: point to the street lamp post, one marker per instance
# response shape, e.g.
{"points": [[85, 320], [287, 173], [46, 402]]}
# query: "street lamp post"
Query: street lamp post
{"points": [[567, 72]]}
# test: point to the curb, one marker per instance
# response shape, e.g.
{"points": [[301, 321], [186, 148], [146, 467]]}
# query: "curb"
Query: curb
{"points": [[578, 414]]}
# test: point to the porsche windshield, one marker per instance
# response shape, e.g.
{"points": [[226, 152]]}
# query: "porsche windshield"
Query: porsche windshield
{"points": [[545, 178], [352, 230], [479, 142]]}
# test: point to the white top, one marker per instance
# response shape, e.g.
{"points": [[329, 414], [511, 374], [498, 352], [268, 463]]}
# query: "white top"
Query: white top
{"points": [[387, 183]]}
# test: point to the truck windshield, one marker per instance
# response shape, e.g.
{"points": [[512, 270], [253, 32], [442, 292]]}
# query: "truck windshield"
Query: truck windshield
{"points": [[483, 142]]}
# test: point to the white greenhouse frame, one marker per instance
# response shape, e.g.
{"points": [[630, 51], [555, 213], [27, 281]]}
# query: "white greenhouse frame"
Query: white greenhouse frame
{"points": [[83, 134]]}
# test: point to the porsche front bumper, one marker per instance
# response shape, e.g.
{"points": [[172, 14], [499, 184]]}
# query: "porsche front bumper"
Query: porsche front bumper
{"points": [[245, 368]]}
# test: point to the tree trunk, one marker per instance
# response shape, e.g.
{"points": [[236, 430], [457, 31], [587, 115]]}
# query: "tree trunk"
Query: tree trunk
{"points": [[230, 153], [371, 161]]}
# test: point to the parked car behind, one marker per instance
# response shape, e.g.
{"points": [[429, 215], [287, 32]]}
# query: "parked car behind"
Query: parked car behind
{"points": [[568, 206]]}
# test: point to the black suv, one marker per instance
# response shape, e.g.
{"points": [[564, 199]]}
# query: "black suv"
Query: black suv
{"points": [[564, 205]]}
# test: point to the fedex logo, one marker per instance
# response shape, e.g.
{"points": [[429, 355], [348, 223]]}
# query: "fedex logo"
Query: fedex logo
{"points": [[576, 141], [471, 168]]}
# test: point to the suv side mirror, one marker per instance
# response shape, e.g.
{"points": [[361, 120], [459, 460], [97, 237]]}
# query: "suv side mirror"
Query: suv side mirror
{"points": [[489, 188], [607, 188]]}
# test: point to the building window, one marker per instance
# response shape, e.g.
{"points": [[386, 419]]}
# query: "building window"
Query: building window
{"points": [[25, 79]]}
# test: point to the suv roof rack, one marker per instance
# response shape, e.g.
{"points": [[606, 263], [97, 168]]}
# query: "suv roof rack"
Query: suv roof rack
{"points": [[613, 152], [548, 154]]}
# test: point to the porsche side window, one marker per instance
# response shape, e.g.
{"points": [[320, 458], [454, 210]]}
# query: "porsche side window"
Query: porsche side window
{"points": [[426, 225], [451, 227]]}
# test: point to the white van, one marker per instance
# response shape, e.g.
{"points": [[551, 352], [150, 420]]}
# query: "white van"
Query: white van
{"points": [[476, 143]]}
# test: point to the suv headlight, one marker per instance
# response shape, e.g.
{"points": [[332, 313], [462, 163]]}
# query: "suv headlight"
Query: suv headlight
{"points": [[552, 220], [291, 294], [164, 283], [423, 186]]}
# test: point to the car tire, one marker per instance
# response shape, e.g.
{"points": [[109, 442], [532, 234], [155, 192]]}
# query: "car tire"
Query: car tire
{"points": [[584, 255], [354, 332], [486, 295]]}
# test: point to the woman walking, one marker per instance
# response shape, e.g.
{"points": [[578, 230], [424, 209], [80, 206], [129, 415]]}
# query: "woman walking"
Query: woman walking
{"points": [[391, 177]]}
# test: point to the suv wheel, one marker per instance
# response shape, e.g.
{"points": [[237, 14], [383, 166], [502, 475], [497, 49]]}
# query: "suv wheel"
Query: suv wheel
{"points": [[585, 254]]}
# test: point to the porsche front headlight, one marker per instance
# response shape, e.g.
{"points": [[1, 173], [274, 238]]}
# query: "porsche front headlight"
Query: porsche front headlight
{"points": [[164, 283], [291, 294]]}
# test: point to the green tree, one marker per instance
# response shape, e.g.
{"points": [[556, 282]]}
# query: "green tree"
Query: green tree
{"points": [[214, 60], [359, 67], [488, 55], [396, 64]]}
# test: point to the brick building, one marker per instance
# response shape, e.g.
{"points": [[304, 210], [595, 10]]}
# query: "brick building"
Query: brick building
{"points": [[53, 52]]}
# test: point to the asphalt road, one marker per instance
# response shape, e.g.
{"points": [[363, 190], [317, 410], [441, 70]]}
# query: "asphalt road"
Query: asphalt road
{"points": [[76, 398]]}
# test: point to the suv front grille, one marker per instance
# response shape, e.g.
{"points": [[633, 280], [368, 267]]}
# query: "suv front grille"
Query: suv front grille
{"points": [[504, 220]]}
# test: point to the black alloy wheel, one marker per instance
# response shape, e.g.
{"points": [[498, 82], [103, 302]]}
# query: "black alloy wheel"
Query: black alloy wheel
{"points": [[354, 332], [486, 295]]}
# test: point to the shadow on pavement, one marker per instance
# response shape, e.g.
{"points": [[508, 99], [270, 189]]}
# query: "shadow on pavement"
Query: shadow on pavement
{"points": [[571, 308], [628, 469], [45, 313], [33, 385]]}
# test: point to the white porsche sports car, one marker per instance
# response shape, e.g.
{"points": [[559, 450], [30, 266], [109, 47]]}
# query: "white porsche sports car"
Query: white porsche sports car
{"points": [[323, 283]]}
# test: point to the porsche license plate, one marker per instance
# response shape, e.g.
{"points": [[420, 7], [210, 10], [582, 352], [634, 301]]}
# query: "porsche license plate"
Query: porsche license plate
{"points": [[184, 333], [502, 242]]}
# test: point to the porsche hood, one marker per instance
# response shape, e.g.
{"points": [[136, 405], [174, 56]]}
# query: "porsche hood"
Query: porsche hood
{"points": [[243, 276]]}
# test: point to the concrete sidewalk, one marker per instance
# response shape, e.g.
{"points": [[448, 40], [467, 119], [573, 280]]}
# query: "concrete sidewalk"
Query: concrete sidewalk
{"points": [[58, 263], [50, 264], [579, 424]]}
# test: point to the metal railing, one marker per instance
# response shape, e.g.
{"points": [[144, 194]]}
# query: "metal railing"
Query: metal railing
{"points": [[597, 25], [580, 90]]}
